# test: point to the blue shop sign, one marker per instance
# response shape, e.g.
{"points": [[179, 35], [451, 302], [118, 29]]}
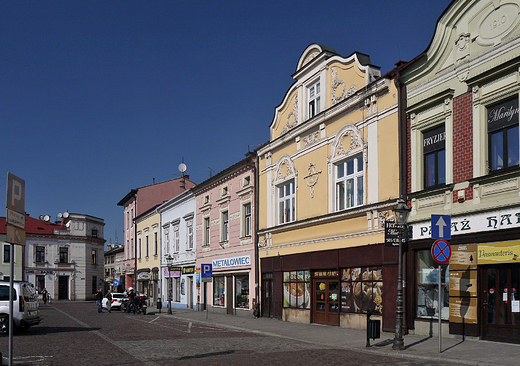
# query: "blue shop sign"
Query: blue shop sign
{"points": [[239, 261]]}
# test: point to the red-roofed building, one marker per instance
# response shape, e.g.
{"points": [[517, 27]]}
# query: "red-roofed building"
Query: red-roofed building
{"points": [[64, 257]]}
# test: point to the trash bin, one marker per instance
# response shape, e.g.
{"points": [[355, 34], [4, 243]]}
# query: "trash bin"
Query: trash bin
{"points": [[373, 328], [159, 304]]}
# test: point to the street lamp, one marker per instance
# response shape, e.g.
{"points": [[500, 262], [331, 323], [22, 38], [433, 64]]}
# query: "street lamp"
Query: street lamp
{"points": [[169, 262], [401, 212]]}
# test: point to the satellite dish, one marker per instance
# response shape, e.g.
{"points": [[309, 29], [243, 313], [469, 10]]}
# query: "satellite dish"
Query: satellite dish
{"points": [[66, 214], [182, 167], [60, 215], [46, 218], [67, 224]]}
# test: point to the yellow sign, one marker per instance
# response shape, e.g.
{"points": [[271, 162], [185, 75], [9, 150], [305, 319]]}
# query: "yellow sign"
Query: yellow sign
{"points": [[463, 283], [499, 252], [463, 256], [463, 310]]}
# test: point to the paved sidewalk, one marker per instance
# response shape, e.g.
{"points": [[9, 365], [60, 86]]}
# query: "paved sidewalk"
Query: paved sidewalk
{"points": [[455, 351]]}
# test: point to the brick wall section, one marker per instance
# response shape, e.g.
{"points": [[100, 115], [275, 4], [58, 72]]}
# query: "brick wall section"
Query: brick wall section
{"points": [[462, 138]]}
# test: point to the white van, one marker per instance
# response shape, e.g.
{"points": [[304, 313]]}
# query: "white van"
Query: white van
{"points": [[25, 305]]}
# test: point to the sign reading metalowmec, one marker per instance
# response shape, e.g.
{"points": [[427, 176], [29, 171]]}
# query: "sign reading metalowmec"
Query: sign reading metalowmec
{"points": [[239, 261]]}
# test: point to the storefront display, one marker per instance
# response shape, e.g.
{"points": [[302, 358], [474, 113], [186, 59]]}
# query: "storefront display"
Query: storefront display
{"points": [[242, 292], [428, 287], [219, 291], [362, 289], [297, 289]]}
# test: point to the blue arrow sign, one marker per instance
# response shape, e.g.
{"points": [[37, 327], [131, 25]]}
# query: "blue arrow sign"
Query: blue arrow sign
{"points": [[441, 227]]}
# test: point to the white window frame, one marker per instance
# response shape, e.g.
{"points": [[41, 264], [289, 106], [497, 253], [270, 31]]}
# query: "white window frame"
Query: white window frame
{"points": [[314, 96], [176, 238], [206, 234], [284, 198], [284, 172], [189, 234], [357, 174], [247, 220], [224, 226]]}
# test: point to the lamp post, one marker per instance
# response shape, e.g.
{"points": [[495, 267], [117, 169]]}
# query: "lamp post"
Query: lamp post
{"points": [[401, 212], [169, 262]]}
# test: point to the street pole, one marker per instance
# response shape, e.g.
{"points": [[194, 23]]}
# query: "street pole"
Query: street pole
{"points": [[398, 340], [170, 294]]}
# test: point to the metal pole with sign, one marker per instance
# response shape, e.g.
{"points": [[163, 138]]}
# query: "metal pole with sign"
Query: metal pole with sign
{"points": [[206, 276], [15, 219], [441, 253]]}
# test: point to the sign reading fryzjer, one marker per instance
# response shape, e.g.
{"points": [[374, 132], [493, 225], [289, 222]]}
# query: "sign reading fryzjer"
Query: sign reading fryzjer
{"points": [[239, 261]]}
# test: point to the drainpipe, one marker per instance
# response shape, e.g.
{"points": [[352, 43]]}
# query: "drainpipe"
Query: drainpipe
{"points": [[256, 310]]}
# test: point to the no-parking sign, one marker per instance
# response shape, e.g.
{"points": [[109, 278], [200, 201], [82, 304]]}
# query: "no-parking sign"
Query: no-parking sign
{"points": [[441, 251]]}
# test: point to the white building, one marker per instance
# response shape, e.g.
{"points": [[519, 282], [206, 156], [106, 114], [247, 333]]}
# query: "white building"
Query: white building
{"points": [[178, 242], [65, 257]]}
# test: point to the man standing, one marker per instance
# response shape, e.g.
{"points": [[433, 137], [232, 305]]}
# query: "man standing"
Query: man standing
{"points": [[109, 301], [99, 299]]}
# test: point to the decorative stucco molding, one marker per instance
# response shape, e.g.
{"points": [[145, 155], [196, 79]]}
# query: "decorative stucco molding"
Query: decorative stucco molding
{"points": [[294, 114], [356, 143], [312, 177]]}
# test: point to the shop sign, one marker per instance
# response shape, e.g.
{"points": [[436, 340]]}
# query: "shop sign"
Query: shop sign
{"points": [[463, 310], [144, 276], [499, 252], [239, 261], [175, 272], [188, 270], [38, 271], [463, 283], [494, 220], [463, 257]]}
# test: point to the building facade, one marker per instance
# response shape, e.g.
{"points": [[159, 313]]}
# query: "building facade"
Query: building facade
{"points": [[136, 202], [462, 97], [225, 236], [177, 223], [328, 180], [114, 267]]}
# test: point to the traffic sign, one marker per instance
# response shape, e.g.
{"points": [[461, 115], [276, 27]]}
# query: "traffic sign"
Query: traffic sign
{"points": [[115, 282], [441, 251], [441, 227], [15, 193], [207, 272]]}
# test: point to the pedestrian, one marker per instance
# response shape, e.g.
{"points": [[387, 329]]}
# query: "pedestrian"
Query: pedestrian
{"points": [[131, 299], [109, 301], [44, 295], [99, 299]]}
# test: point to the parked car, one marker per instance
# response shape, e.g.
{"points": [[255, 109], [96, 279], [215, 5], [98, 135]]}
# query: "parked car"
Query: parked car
{"points": [[116, 300], [25, 305]]}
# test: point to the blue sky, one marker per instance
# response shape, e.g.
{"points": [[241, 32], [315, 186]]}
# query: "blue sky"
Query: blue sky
{"points": [[100, 97]]}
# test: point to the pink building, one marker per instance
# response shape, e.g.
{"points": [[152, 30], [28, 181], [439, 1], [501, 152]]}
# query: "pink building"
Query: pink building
{"points": [[140, 200], [225, 235]]}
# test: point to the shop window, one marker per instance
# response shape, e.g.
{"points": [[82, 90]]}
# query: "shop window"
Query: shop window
{"points": [[362, 289], [503, 135], [40, 282], [219, 291], [428, 287], [286, 202], [176, 289], [349, 183], [297, 289], [434, 152], [242, 292]]}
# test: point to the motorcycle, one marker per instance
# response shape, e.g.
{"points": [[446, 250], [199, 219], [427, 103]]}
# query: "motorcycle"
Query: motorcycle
{"points": [[138, 306]]}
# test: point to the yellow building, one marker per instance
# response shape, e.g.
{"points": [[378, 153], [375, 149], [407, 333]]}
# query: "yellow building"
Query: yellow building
{"points": [[148, 253], [328, 179]]}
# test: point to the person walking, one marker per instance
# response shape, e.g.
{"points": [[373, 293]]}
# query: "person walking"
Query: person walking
{"points": [[109, 300], [44, 295], [99, 299]]}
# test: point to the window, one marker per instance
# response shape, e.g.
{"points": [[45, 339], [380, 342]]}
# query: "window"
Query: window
{"points": [[247, 222], [189, 233], [7, 253], [434, 153], [206, 199], [224, 227], [94, 284], [297, 289], [40, 254], [40, 282], [242, 292], [219, 291], [139, 248], [314, 99], [94, 233], [428, 287], [176, 239], [362, 290], [155, 244], [286, 202], [349, 183], [224, 191], [94, 256], [147, 247], [247, 180], [503, 134], [206, 231], [176, 289], [64, 255]]}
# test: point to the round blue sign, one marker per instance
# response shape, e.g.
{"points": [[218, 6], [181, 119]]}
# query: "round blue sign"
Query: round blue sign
{"points": [[441, 251], [115, 282]]}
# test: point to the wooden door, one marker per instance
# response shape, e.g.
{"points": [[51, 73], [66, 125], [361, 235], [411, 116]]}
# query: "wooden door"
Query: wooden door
{"points": [[326, 301], [267, 298]]}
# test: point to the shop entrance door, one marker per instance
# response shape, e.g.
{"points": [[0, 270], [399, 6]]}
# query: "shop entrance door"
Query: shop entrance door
{"points": [[326, 301], [267, 298], [500, 303]]}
